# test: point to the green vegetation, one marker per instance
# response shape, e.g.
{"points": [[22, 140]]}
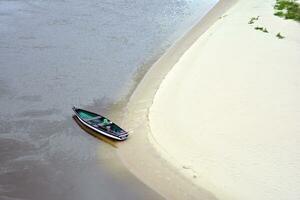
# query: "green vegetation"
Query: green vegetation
{"points": [[279, 36], [287, 9], [253, 19], [261, 29]]}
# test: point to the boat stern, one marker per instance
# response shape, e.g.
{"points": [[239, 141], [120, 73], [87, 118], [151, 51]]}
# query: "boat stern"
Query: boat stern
{"points": [[74, 108]]}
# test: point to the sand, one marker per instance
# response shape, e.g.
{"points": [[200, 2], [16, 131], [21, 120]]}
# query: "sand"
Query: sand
{"points": [[137, 153], [227, 114]]}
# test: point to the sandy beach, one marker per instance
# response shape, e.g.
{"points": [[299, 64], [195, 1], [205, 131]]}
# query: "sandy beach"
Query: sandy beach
{"points": [[138, 153], [226, 116]]}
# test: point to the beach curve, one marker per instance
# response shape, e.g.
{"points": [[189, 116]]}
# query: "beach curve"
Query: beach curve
{"points": [[137, 153]]}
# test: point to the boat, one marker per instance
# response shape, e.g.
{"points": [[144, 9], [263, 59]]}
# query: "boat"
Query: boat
{"points": [[100, 124]]}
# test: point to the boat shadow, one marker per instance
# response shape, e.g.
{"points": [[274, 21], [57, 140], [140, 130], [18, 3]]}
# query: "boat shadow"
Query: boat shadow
{"points": [[94, 133]]}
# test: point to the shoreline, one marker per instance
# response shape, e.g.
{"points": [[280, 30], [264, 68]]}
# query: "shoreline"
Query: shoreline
{"points": [[138, 154], [232, 102]]}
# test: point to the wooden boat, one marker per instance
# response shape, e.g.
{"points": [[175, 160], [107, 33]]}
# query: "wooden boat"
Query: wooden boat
{"points": [[100, 124]]}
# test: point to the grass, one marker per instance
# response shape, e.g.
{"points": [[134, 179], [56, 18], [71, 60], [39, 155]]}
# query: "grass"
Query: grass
{"points": [[253, 19], [279, 36], [261, 29], [287, 9]]}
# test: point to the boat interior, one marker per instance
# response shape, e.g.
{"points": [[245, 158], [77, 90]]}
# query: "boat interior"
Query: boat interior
{"points": [[99, 122]]}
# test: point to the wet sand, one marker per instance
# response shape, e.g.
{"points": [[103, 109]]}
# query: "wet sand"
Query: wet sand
{"points": [[137, 153]]}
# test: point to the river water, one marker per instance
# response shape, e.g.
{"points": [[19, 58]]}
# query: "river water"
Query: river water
{"points": [[59, 53]]}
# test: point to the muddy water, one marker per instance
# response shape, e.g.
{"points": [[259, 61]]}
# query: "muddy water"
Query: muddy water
{"points": [[54, 54]]}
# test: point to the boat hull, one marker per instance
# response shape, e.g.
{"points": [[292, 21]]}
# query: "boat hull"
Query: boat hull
{"points": [[120, 138]]}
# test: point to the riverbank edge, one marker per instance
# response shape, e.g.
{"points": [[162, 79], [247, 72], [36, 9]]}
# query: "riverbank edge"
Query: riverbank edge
{"points": [[139, 154]]}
